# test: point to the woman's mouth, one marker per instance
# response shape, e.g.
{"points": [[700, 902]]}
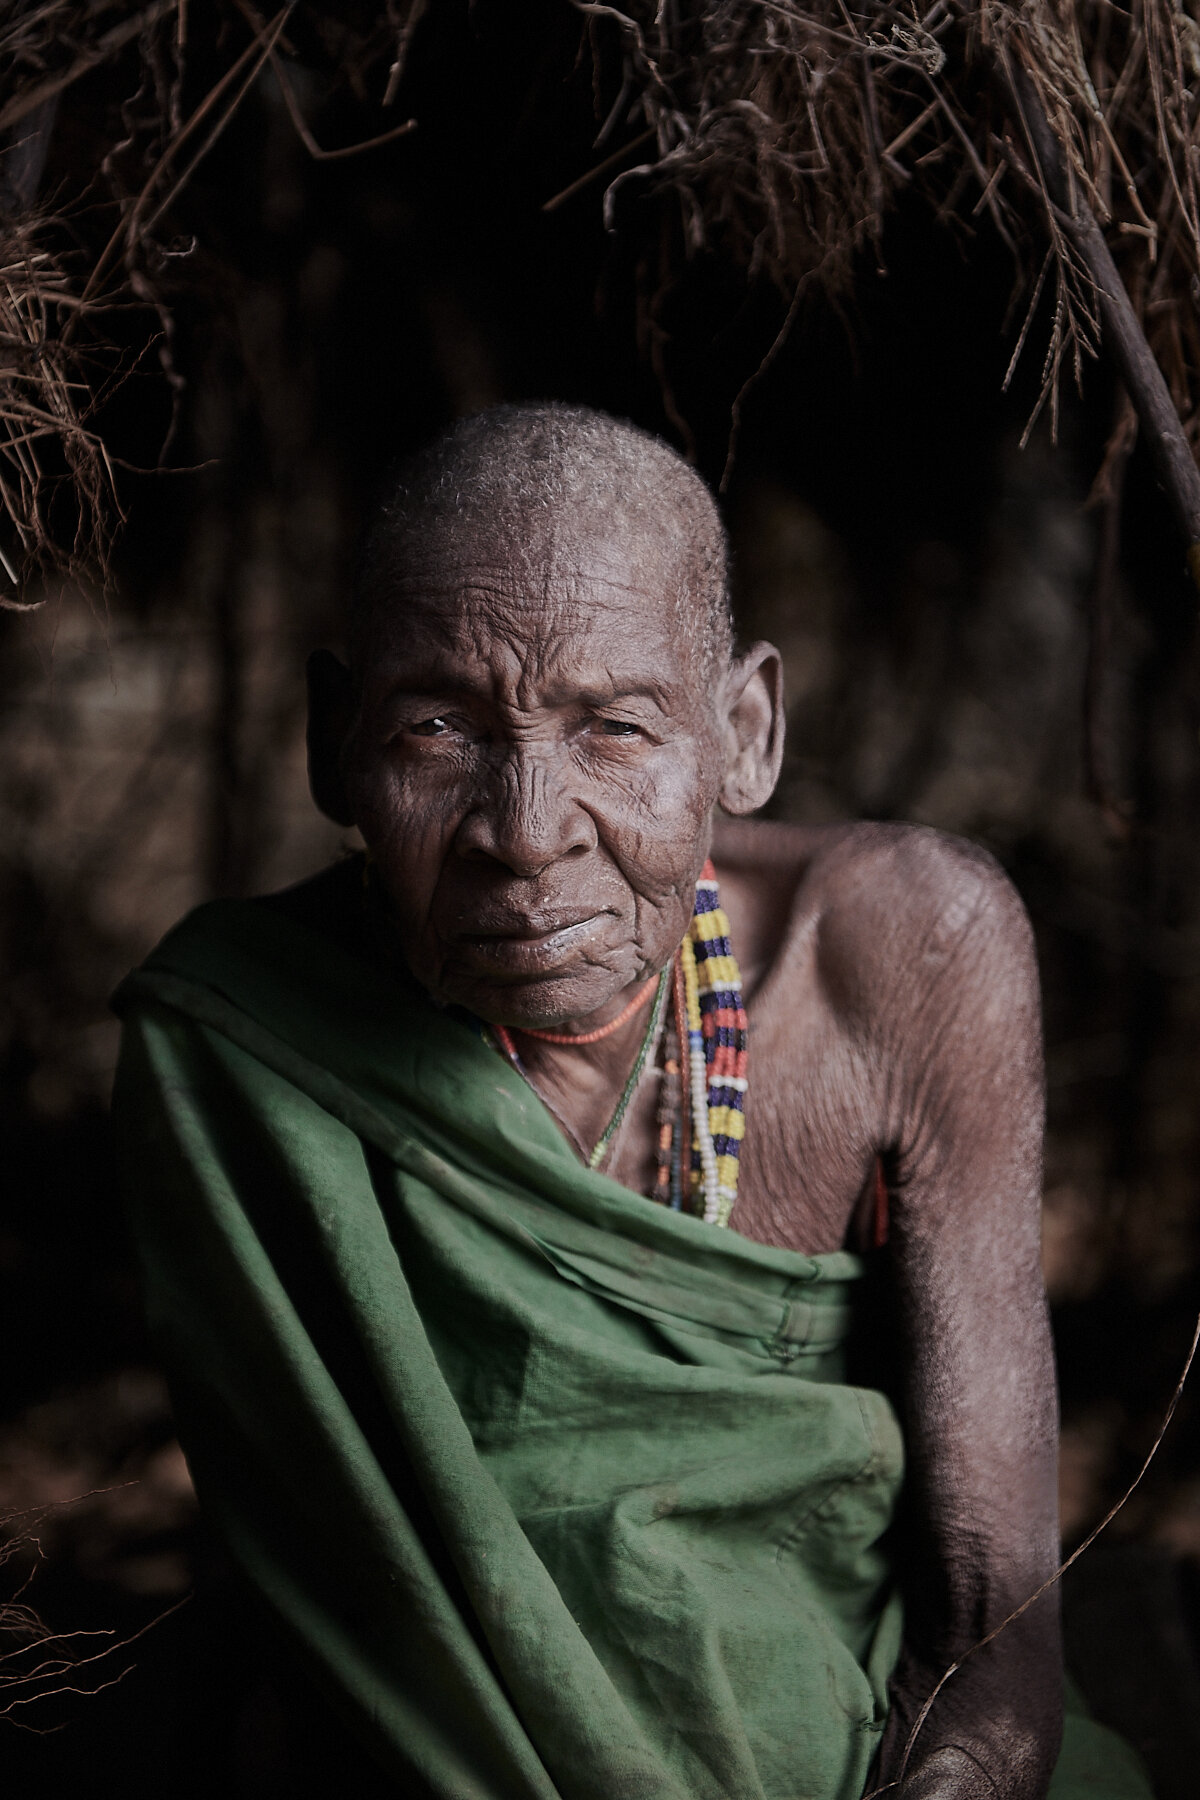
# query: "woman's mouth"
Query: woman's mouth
{"points": [[529, 947]]}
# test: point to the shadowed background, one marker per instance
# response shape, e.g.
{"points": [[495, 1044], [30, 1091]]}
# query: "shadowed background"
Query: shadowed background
{"points": [[964, 647]]}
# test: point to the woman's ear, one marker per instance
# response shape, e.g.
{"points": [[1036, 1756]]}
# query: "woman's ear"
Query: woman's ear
{"points": [[753, 729], [330, 713]]}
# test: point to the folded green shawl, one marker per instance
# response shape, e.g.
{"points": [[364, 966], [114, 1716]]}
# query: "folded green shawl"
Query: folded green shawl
{"points": [[565, 1494]]}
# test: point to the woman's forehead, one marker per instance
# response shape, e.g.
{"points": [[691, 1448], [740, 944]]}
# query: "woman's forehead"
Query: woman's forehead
{"points": [[577, 595]]}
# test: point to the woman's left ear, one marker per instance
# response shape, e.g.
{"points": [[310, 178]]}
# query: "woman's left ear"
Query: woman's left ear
{"points": [[753, 729]]}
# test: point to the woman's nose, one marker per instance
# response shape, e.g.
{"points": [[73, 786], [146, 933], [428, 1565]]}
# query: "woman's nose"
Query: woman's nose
{"points": [[529, 818]]}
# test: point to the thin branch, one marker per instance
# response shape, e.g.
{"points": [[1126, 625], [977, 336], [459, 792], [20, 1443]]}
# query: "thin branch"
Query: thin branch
{"points": [[593, 174], [305, 135], [133, 223], [1140, 372]]}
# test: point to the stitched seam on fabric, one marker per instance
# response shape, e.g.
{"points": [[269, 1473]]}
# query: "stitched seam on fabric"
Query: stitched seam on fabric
{"points": [[787, 1543], [875, 1448], [867, 1468]]}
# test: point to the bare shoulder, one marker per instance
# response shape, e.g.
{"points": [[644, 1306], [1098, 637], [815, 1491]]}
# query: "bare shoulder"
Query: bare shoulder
{"points": [[927, 885], [874, 902]]}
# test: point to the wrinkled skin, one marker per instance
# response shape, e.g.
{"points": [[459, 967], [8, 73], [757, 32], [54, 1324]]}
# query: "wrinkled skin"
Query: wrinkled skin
{"points": [[539, 763]]}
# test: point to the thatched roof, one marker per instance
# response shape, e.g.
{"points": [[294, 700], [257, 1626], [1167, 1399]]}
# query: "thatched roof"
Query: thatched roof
{"points": [[782, 132]]}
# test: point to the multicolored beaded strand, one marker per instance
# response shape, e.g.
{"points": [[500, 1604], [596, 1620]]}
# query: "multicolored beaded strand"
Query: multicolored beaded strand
{"points": [[717, 1031]]}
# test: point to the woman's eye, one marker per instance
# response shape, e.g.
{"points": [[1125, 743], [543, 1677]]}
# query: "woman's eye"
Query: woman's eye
{"points": [[429, 728]]}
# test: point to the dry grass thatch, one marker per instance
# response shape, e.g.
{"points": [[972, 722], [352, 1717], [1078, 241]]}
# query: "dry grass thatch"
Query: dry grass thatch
{"points": [[783, 131], [58, 496], [787, 130], [47, 401]]}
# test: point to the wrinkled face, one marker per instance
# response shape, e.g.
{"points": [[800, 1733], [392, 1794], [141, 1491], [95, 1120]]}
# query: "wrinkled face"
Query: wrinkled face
{"points": [[533, 765]]}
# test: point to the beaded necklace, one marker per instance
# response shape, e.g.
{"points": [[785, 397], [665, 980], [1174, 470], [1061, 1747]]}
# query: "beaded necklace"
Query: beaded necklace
{"points": [[710, 1020], [573, 1039], [701, 1111], [595, 1158]]}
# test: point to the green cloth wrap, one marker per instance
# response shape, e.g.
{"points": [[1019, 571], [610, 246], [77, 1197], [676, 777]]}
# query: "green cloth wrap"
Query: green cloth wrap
{"points": [[565, 1494]]}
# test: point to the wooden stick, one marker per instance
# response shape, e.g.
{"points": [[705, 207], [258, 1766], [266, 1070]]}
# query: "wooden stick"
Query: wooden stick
{"points": [[1106, 495], [1151, 397], [597, 170]]}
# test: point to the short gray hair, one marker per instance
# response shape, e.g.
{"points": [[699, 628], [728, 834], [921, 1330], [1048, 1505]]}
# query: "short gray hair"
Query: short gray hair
{"points": [[503, 466]]}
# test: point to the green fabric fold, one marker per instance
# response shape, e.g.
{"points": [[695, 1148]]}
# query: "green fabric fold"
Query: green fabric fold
{"points": [[566, 1495]]}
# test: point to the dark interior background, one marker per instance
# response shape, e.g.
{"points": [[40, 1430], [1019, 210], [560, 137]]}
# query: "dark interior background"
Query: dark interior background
{"points": [[932, 585]]}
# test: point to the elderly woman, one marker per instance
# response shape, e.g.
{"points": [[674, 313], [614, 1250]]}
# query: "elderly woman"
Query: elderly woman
{"points": [[565, 1224]]}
